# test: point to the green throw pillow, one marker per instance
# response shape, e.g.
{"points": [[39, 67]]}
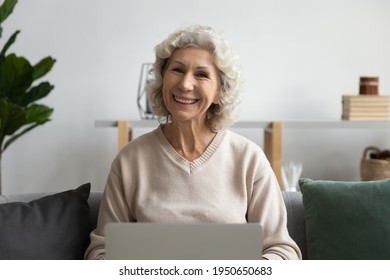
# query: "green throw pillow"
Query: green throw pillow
{"points": [[347, 220]]}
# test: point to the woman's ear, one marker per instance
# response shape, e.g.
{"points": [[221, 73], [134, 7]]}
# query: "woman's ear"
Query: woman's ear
{"points": [[217, 98], [164, 67]]}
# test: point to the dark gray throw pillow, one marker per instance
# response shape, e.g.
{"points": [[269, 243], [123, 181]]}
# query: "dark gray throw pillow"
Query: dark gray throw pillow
{"points": [[54, 227]]}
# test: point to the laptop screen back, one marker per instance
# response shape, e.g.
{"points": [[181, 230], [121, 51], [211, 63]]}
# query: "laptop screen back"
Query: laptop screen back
{"points": [[154, 241]]}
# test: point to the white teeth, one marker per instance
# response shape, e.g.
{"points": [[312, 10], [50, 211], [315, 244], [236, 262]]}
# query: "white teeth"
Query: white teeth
{"points": [[185, 101]]}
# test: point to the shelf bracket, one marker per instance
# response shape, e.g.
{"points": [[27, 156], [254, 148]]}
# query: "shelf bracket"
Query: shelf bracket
{"points": [[124, 133], [273, 148]]}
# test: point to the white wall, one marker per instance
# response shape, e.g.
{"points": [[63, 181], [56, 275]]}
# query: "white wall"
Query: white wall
{"points": [[298, 58]]}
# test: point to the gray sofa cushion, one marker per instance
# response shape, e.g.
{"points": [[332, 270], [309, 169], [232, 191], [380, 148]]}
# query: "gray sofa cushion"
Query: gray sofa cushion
{"points": [[296, 220], [56, 226]]}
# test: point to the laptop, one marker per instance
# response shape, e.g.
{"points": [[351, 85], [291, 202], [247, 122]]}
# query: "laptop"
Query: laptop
{"points": [[156, 241]]}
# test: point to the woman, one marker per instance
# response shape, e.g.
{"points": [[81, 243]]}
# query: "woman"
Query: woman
{"points": [[191, 169]]}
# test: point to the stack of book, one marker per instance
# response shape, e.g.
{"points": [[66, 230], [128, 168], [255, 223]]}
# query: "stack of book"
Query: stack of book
{"points": [[365, 107]]}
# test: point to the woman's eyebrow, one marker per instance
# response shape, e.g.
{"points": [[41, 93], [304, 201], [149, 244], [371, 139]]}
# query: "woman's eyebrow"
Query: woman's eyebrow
{"points": [[178, 62], [198, 67]]}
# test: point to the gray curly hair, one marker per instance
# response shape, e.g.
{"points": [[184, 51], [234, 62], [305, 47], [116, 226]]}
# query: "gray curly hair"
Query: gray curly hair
{"points": [[219, 116]]}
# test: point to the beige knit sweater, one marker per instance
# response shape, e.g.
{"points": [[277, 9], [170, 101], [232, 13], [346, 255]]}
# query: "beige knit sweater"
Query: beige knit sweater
{"points": [[232, 182]]}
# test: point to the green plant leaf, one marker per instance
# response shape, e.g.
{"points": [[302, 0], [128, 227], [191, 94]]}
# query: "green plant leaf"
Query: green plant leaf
{"points": [[42, 67], [3, 118], [36, 93], [15, 118], [38, 114], [15, 77], [18, 112], [16, 136], [35, 115], [10, 41], [6, 9], [12, 116]]}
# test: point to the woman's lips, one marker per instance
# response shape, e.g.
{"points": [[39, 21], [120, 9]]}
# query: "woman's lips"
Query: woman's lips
{"points": [[186, 101]]}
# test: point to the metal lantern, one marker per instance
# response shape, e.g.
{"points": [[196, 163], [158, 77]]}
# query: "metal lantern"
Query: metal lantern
{"points": [[142, 99]]}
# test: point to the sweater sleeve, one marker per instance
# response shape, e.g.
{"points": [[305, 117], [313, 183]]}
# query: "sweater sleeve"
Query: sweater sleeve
{"points": [[267, 207], [113, 208]]}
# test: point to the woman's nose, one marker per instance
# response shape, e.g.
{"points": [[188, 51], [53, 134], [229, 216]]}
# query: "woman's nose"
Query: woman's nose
{"points": [[187, 82]]}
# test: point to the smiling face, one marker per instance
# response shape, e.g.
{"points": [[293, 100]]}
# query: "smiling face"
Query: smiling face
{"points": [[190, 85]]}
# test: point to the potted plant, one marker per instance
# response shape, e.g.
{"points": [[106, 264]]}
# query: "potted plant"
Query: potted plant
{"points": [[19, 110]]}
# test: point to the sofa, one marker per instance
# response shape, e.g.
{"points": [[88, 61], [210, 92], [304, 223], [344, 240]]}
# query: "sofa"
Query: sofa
{"points": [[328, 220], [296, 224]]}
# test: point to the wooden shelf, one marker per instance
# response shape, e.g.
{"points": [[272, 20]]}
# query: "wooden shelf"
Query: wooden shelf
{"points": [[272, 132], [265, 124], [336, 124], [153, 123]]}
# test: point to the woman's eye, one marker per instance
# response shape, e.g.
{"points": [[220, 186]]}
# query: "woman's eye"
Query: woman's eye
{"points": [[178, 70], [202, 75]]}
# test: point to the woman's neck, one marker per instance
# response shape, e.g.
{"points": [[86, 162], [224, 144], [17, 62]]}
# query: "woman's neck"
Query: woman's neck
{"points": [[189, 140]]}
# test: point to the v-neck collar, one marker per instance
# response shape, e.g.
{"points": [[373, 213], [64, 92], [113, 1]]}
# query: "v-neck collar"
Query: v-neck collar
{"points": [[186, 165]]}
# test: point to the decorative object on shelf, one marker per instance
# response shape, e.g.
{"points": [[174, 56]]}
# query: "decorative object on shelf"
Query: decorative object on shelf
{"points": [[291, 173], [19, 110], [368, 85], [142, 99], [375, 164], [368, 105], [365, 107]]}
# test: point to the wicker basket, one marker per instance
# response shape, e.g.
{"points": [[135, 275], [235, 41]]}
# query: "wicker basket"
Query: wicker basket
{"points": [[374, 169]]}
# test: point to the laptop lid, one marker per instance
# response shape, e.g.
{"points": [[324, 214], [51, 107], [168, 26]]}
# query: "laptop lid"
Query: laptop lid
{"points": [[155, 241]]}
